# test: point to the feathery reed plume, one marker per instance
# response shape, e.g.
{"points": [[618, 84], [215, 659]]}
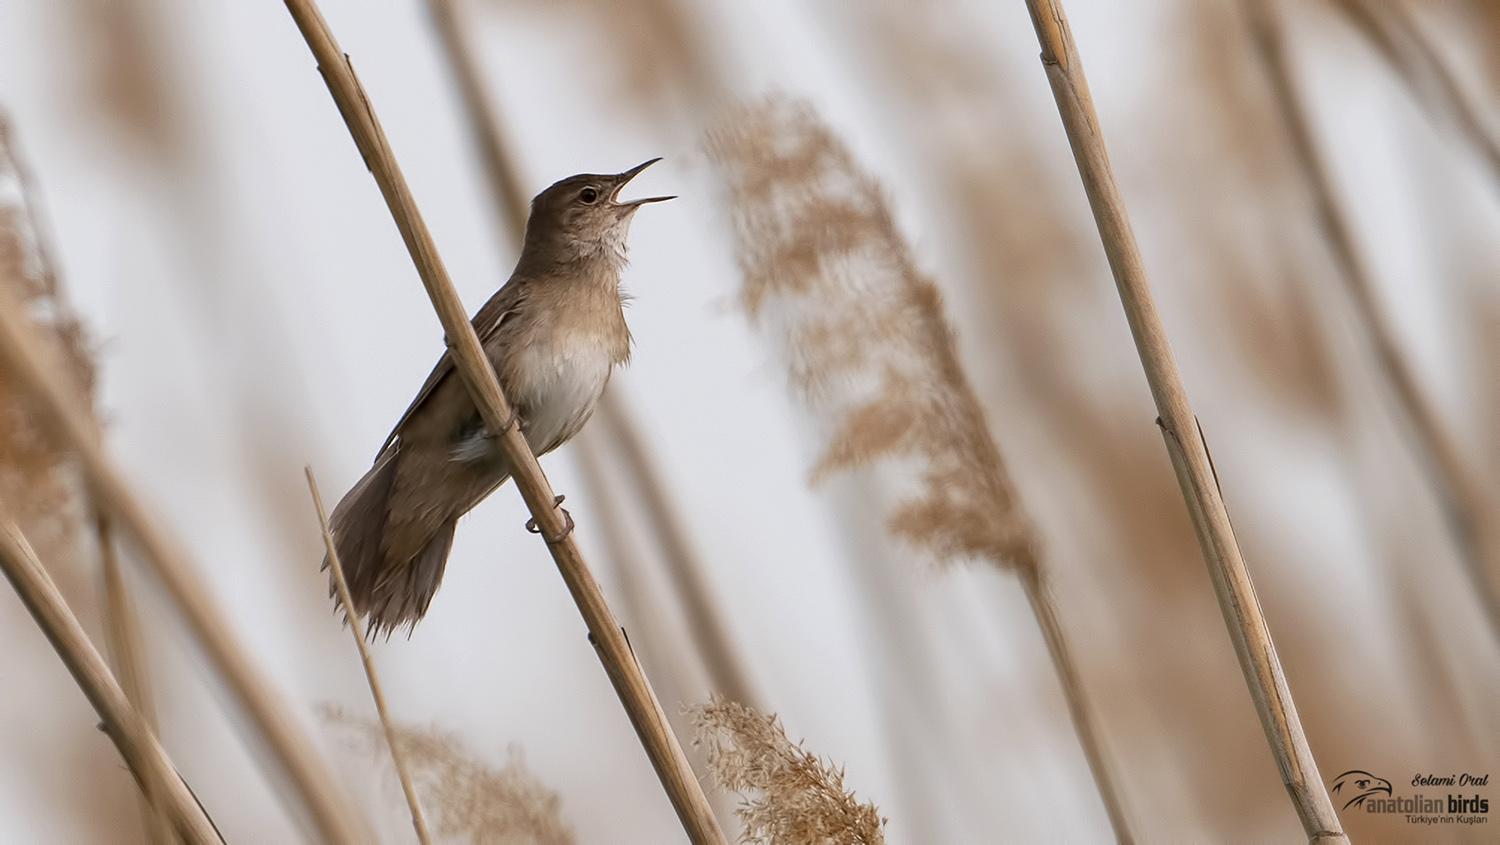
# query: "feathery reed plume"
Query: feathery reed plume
{"points": [[376, 691], [1184, 437], [154, 772], [34, 370], [470, 799], [1468, 503], [548, 518], [28, 266], [1391, 28], [32, 473], [789, 796], [725, 668], [871, 353], [826, 271]]}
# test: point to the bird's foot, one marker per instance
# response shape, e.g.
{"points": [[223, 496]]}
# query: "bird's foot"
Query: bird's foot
{"points": [[561, 535], [515, 419]]}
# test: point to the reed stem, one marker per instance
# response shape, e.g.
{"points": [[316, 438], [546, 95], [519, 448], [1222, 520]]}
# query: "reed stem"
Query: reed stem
{"points": [[163, 787], [1466, 500], [1184, 439], [57, 408], [377, 692], [123, 635], [608, 638], [1085, 720]]}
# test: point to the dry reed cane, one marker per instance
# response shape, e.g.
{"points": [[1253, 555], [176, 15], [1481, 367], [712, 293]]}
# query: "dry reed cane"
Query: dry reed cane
{"points": [[1180, 430], [126, 648], [158, 779], [726, 670], [1085, 719], [1466, 501], [371, 676], [630, 683], [26, 362]]}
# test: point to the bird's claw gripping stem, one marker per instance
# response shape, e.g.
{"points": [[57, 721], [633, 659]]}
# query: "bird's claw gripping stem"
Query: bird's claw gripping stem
{"points": [[512, 422], [561, 535]]}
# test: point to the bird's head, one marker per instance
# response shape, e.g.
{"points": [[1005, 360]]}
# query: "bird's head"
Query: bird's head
{"points": [[581, 217]]}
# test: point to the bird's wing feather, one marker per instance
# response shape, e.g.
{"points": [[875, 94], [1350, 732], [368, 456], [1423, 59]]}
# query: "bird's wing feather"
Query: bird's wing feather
{"points": [[503, 305]]}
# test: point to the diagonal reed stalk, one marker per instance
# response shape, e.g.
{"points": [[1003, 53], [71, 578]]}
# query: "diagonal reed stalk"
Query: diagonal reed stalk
{"points": [[1184, 439], [725, 668], [1398, 37], [1466, 501], [377, 692], [608, 638], [26, 361], [163, 787], [1085, 720], [126, 648]]}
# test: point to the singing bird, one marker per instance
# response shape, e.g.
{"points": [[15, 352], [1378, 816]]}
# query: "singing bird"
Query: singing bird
{"points": [[553, 333]]}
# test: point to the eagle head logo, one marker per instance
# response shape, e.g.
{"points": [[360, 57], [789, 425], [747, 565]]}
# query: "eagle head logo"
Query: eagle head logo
{"points": [[1358, 786]]}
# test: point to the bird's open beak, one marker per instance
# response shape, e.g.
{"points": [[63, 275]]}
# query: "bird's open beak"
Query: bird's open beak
{"points": [[622, 179]]}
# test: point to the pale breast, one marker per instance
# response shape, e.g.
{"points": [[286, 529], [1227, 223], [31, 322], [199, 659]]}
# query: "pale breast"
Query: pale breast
{"points": [[557, 382]]}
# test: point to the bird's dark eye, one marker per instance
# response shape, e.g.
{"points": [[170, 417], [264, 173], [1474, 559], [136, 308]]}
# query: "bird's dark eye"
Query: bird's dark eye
{"points": [[589, 195]]}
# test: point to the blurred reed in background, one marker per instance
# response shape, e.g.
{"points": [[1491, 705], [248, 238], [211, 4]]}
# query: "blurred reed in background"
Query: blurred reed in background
{"points": [[467, 799]]}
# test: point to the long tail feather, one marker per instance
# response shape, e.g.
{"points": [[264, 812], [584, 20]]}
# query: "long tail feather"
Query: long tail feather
{"points": [[402, 596], [358, 525]]}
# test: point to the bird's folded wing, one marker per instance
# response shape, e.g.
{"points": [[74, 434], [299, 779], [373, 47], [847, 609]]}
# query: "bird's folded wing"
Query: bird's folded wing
{"points": [[487, 322]]}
